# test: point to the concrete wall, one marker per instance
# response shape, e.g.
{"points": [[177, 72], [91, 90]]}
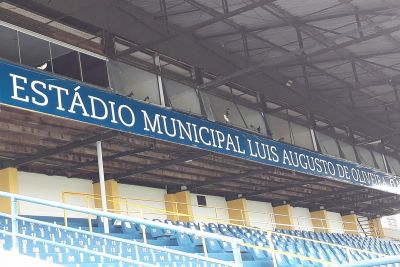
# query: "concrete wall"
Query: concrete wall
{"points": [[335, 222], [150, 200], [216, 209], [260, 214], [302, 219], [391, 233], [51, 188]]}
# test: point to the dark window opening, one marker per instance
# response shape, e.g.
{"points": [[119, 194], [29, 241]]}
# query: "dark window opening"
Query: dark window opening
{"points": [[94, 71], [35, 52], [201, 201], [65, 62], [9, 44]]}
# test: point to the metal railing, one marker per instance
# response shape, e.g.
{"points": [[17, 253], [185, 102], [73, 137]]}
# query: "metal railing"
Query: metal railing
{"points": [[235, 243], [375, 262], [132, 208], [148, 208], [16, 235]]}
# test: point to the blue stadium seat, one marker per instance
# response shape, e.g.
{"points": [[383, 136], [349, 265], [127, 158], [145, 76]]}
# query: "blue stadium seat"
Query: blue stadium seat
{"points": [[191, 244]]}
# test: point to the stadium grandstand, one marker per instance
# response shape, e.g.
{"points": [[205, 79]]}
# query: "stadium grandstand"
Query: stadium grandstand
{"points": [[199, 133]]}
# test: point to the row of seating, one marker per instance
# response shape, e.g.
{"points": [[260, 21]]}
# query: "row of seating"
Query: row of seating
{"points": [[283, 240], [67, 256]]}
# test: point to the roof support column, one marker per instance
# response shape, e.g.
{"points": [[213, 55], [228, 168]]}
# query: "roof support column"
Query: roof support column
{"points": [[375, 226], [309, 97], [238, 212], [8, 183], [179, 206], [350, 224], [283, 217], [197, 75], [264, 110], [320, 221], [112, 196]]}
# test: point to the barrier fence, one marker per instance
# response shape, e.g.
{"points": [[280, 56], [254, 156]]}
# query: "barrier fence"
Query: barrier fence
{"points": [[15, 234], [131, 208], [148, 208]]}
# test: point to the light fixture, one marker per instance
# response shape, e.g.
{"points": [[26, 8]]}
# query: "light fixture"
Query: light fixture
{"points": [[375, 142], [226, 115], [131, 94], [258, 129], [43, 66]]}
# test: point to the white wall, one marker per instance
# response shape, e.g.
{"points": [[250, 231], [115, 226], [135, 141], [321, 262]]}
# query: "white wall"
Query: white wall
{"points": [[335, 222], [216, 209], [302, 219], [154, 208], [261, 214], [51, 188], [391, 233]]}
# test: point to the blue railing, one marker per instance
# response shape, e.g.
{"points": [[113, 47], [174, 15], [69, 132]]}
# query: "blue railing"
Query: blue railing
{"points": [[15, 219], [375, 262]]}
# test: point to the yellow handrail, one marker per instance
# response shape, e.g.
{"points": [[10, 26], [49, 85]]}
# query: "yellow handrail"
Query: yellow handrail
{"points": [[111, 198], [290, 254], [203, 218]]}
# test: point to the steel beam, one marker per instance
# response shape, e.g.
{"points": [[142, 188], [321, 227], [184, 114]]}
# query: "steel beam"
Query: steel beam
{"points": [[57, 150], [224, 16], [312, 198], [185, 47], [163, 164], [197, 26], [366, 11], [228, 178], [279, 188], [75, 167], [356, 201], [291, 57]]}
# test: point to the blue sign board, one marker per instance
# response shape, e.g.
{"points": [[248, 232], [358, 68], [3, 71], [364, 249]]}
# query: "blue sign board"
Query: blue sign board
{"points": [[46, 93]]}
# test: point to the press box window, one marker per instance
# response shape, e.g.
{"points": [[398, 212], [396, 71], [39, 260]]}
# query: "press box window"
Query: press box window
{"points": [[201, 201], [9, 44], [65, 61], [35, 52], [94, 70]]}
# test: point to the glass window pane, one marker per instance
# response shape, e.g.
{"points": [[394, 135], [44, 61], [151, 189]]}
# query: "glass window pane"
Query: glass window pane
{"points": [[94, 70], [328, 144], [279, 128], [182, 97], [225, 111], [253, 118], [379, 160], [9, 44], [348, 151], [136, 83], [207, 106], [365, 156], [40, 58], [65, 61], [394, 165], [302, 136]]}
